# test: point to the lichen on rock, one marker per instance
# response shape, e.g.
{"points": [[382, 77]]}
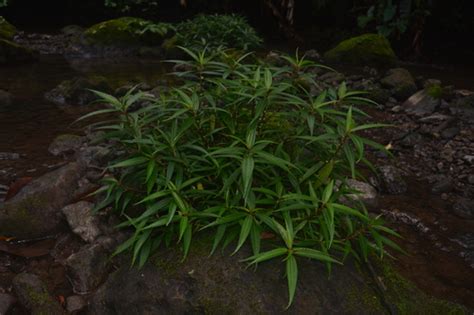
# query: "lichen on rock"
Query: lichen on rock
{"points": [[367, 49]]}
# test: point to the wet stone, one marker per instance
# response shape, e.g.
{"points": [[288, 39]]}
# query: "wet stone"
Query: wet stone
{"points": [[82, 221], [392, 181], [9, 156], [464, 208], [6, 302], [64, 144], [75, 304], [87, 268], [34, 296]]}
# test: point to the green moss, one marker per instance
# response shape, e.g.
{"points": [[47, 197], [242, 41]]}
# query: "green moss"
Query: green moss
{"points": [[7, 31], [408, 299], [127, 31], [365, 49]]}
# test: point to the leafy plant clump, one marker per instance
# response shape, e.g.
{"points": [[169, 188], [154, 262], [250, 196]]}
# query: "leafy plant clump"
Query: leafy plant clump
{"points": [[217, 30], [246, 151]]}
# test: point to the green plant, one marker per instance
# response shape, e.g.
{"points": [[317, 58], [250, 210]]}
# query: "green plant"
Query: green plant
{"points": [[243, 150], [218, 30], [392, 20]]}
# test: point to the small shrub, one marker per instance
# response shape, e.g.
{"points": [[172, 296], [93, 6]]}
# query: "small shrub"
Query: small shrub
{"points": [[212, 31], [244, 150]]}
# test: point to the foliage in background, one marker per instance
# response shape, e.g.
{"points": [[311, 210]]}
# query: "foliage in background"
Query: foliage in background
{"points": [[245, 151], [217, 30], [391, 19]]}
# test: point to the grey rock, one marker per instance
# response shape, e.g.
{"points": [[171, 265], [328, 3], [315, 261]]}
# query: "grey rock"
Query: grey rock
{"points": [[72, 30], [36, 210], [93, 156], [65, 143], [421, 104], [469, 159], [391, 180], [366, 193], [435, 118], [464, 208], [6, 98], [312, 55], [9, 156], [443, 185], [34, 296], [75, 304], [470, 179], [6, 302], [401, 82], [77, 91], [87, 268], [82, 220], [450, 133]]}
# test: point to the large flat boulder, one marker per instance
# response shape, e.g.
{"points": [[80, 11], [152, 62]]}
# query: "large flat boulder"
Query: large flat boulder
{"points": [[221, 284]]}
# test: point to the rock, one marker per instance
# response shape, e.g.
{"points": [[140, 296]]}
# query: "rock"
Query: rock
{"points": [[466, 102], [6, 301], [127, 32], [368, 49], [12, 53], [82, 220], [7, 31], [450, 133], [469, 159], [93, 156], [35, 211], [379, 96], [6, 98], [421, 104], [72, 30], [443, 185], [312, 55], [401, 82], [87, 268], [391, 180], [367, 194], [76, 91], [9, 156], [464, 208], [75, 304], [65, 143], [34, 296], [220, 284], [470, 179]]}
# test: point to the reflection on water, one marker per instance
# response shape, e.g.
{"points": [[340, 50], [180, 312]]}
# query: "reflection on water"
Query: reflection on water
{"points": [[31, 123]]}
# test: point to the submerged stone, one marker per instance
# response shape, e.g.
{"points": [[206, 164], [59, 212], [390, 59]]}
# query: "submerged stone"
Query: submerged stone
{"points": [[367, 49]]}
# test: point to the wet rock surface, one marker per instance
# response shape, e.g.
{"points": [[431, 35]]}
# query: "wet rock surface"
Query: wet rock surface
{"points": [[33, 294], [35, 210], [82, 220]]}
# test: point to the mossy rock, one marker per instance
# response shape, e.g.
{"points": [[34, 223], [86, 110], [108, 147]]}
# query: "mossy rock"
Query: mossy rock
{"points": [[11, 52], [367, 49], [403, 296], [7, 31], [127, 31]]}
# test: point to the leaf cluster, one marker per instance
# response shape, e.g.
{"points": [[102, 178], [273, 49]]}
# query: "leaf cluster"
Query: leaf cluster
{"points": [[217, 30], [242, 149]]}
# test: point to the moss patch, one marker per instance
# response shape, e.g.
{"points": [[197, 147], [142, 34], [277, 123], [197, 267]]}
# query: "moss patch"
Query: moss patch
{"points": [[366, 49], [127, 31], [7, 31], [408, 299]]}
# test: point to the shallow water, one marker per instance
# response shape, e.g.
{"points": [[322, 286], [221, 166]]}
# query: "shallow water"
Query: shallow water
{"points": [[31, 123]]}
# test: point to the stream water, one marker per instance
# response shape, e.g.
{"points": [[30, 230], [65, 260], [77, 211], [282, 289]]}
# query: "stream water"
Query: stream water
{"points": [[29, 125]]}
